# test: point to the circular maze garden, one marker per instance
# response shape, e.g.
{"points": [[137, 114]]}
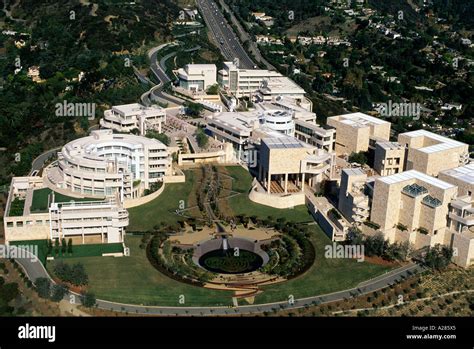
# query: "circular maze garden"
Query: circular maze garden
{"points": [[230, 262]]}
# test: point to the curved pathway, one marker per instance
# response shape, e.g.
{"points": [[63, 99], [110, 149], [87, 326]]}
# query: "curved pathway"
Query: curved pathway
{"points": [[34, 269]]}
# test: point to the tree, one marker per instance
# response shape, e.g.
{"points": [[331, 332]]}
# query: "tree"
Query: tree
{"points": [[56, 247], [9, 291], [43, 287], [58, 292], [201, 138], [360, 158], [78, 275], [88, 299], [438, 257], [69, 246], [163, 138], [63, 246], [193, 109]]}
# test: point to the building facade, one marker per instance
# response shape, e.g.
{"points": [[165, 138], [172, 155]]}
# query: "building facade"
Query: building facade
{"points": [[128, 117], [197, 77], [105, 164], [389, 158], [431, 153], [354, 131]]}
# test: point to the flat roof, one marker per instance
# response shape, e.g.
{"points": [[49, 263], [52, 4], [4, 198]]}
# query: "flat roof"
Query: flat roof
{"points": [[444, 142], [238, 121], [354, 171], [389, 145], [413, 174], [282, 143], [359, 120], [463, 173], [135, 109]]}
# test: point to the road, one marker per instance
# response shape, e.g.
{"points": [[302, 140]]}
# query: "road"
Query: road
{"points": [[34, 269], [40, 160], [244, 36], [159, 70], [223, 34]]}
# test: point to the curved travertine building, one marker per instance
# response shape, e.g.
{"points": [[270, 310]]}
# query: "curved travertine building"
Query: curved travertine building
{"points": [[105, 164]]}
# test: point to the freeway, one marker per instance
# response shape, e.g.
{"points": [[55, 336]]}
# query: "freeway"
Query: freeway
{"points": [[34, 269], [244, 36], [224, 35]]}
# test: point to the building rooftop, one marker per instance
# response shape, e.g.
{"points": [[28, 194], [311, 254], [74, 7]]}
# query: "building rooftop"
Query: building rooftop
{"points": [[354, 171], [444, 143], [463, 173], [413, 174], [359, 120], [135, 109], [282, 143], [389, 145]]}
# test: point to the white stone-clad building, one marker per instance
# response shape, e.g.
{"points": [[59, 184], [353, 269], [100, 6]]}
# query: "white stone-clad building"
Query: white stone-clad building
{"points": [[82, 220], [354, 131], [238, 128], [105, 164], [247, 82], [127, 117], [431, 153], [197, 77], [106, 220]]}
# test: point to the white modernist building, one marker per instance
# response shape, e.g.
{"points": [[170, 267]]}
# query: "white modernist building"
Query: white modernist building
{"points": [[267, 84], [105, 164], [127, 117], [197, 77], [105, 219], [238, 128], [94, 221]]}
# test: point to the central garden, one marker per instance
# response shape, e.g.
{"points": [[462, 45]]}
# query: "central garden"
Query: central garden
{"points": [[227, 262], [136, 279]]}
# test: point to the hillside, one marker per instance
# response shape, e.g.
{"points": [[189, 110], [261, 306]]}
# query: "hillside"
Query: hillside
{"points": [[65, 38]]}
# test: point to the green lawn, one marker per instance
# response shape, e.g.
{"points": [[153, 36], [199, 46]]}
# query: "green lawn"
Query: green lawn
{"points": [[161, 209], [42, 247], [133, 280], [40, 199], [325, 276], [91, 250]]}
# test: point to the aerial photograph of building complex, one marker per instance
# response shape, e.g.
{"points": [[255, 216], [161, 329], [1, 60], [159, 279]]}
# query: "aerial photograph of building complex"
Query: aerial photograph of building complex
{"points": [[237, 159]]}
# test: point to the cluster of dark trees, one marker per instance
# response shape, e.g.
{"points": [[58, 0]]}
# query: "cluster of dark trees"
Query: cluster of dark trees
{"points": [[75, 274], [377, 246], [57, 292], [8, 292]]}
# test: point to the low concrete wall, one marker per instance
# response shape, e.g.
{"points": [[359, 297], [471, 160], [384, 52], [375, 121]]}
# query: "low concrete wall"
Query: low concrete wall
{"points": [[276, 201], [174, 179], [144, 199], [116, 254]]}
